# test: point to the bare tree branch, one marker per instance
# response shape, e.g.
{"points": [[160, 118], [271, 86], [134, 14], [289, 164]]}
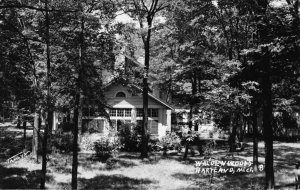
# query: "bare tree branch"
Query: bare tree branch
{"points": [[34, 8], [18, 31], [144, 5], [151, 7], [161, 7]]}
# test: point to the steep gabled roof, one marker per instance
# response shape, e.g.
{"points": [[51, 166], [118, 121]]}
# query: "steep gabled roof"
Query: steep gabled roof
{"points": [[137, 64], [153, 97], [123, 82]]}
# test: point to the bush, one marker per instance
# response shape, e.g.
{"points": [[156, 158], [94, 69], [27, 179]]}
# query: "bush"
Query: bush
{"points": [[111, 163], [208, 147], [87, 143], [66, 127], [130, 137], [170, 142], [62, 142], [191, 136], [106, 148], [154, 145]]}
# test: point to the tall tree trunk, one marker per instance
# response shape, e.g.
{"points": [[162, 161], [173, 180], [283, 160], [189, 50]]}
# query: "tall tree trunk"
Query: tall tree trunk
{"points": [[78, 108], [49, 119], [233, 133], [192, 102], [24, 138], [75, 144], [144, 146], [149, 13], [187, 143], [35, 137], [50, 113], [255, 139], [267, 121], [266, 86], [19, 122], [68, 118]]}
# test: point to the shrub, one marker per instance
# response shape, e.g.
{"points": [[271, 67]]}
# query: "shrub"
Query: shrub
{"points": [[87, 143], [191, 136], [170, 142], [106, 148], [111, 163], [66, 127], [208, 147], [62, 142], [154, 145], [130, 137]]}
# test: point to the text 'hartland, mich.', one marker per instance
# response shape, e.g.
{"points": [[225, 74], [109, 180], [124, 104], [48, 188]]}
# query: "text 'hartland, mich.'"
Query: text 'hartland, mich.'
{"points": [[225, 166]]}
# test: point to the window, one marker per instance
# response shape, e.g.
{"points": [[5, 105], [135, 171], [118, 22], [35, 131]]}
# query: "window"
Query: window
{"points": [[100, 125], [152, 112], [121, 95], [139, 112], [114, 123], [113, 112], [196, 127], [153, 127], [117, 123], [119, 116], [127, 112], [120, 112], [93, 125], [139, 123]]}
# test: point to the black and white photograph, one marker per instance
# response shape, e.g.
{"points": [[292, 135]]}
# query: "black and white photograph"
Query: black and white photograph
{"points": [[150, 94]]}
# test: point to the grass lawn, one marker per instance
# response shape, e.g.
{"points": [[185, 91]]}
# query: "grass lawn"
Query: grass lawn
{"points": [[127, 171]]}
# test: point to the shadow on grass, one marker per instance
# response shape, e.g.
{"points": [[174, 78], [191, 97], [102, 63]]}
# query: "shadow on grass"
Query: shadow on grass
{"points": [[20, 178], [114, 182], [130, 155], [126, 163], [223, 181], [242, 181], [185, 177], [11, 143], [285, 157]]}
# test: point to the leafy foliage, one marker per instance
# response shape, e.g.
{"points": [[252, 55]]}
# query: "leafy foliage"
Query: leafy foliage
{"points": [[170, 142], [62, 142], [130, 137], [106, 147]]}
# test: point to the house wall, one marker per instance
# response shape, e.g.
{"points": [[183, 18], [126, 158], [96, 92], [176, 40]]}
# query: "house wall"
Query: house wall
{"points": [[133, 102], [130, 101]]}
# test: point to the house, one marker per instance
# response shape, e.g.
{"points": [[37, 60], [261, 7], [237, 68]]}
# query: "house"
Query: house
{"points": [[126, 106], [202, 123]]}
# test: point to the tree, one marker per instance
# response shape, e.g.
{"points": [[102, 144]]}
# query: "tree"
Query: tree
{"points": [[272, 58], [144, 11], [48, 101], [189, 48], [82, 51], [18, 25], [28, 35]]}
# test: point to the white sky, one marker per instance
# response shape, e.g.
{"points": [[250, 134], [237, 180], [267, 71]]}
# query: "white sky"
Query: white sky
{"points": [[278, 3], [274, 3], [124, 18]]}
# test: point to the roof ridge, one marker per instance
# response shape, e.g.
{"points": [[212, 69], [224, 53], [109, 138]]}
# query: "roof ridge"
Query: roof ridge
{"points": [[141, 89]]}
